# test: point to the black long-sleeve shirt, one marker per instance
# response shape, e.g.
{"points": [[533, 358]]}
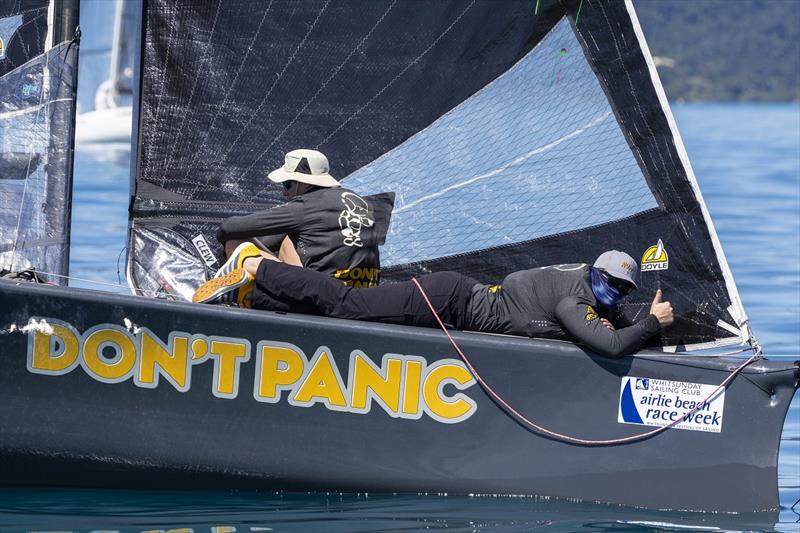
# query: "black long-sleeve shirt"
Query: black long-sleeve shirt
{"points": [[554, 302], [334, 230]]}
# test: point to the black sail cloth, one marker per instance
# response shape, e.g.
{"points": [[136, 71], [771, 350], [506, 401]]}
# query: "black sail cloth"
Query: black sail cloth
{"points": [[514, 138]]}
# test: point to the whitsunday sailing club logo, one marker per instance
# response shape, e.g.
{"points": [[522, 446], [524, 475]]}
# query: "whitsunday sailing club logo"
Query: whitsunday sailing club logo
{"points": [[655, 258], [658, 402]]}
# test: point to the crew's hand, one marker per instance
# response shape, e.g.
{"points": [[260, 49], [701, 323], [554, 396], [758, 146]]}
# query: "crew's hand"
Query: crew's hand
{"points": [[662, 310], [607, 324]]}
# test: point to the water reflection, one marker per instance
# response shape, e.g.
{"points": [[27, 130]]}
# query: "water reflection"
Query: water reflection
{"points": [[72, 510]]}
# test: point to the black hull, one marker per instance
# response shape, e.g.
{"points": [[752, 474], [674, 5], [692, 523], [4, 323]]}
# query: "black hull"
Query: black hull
{"points": [[73, 430]]}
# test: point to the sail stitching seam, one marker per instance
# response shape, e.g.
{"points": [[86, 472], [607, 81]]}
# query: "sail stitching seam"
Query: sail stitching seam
{"points": [[194, 84], [323, 86], [278, 78], [227, 93], [397, 76], [166, 70]]}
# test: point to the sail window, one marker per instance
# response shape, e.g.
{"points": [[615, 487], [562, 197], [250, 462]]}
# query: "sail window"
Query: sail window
{"points": [[537, 152]]}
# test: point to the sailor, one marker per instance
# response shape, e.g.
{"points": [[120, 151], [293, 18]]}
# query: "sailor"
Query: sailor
{"points": [[570, 302], [323, 226]]}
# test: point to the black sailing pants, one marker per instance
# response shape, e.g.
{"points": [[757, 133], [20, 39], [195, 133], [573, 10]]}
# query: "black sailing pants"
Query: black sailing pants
{"points": [[282, 287]]}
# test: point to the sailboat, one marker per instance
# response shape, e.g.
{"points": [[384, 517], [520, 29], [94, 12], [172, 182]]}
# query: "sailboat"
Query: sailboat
{"points": [[110, 120], [516, 134]]}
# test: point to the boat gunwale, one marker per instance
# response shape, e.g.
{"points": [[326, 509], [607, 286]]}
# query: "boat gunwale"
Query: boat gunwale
{"points": [[710, 362]]}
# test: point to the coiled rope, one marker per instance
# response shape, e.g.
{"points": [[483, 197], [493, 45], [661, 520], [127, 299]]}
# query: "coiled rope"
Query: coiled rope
{"points": [[536, 428]]}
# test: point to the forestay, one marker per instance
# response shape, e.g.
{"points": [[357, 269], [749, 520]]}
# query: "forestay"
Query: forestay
{"points": [[515, 133], [37, 106]]}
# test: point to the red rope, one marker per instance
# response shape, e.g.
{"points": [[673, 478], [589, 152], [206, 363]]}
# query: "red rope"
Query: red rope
{"points": [[534, 427]]}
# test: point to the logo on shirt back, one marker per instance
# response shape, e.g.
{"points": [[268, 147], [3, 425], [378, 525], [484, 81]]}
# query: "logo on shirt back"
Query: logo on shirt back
{"points": [[353, 218]]}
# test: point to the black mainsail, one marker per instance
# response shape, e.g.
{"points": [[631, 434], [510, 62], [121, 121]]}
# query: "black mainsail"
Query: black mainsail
{"points": [[38, 65], [516, 134]]}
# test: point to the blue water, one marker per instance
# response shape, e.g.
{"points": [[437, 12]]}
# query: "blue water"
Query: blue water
{"points": [[747, 160]]}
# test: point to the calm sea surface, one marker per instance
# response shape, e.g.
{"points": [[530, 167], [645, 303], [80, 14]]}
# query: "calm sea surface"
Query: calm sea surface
{"points": [[747, 159]]}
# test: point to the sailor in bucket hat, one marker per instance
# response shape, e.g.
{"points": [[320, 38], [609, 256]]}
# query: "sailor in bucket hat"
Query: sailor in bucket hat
{"points": [[309, 167], [323, 226]]}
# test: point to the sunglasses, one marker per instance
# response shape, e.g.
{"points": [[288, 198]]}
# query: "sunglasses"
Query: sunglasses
{"points": [[623, 287]]}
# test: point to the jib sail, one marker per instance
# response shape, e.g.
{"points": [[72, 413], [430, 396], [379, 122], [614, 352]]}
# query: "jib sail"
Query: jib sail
{"points": [[516, 134], [38, 62]]}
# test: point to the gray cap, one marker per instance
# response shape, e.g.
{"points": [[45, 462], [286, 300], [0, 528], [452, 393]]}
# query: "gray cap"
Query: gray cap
{"points": [[619, 265]]}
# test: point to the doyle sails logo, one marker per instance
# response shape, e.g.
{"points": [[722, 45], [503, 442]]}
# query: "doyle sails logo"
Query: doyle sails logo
{"points": [[403, 386], [655, 258], [657, 402]]}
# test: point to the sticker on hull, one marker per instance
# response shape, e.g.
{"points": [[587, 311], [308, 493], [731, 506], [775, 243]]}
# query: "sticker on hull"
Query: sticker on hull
{"points": [[658, 402]]}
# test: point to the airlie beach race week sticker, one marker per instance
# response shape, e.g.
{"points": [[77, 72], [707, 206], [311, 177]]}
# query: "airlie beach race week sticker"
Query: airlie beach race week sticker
{"points": [[658, 402]]}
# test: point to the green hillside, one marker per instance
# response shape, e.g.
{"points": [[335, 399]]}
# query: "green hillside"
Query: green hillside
{"points": [[725, 49]]}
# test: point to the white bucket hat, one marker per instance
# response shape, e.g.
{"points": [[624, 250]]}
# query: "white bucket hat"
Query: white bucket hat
{"points": [[305, 166]]}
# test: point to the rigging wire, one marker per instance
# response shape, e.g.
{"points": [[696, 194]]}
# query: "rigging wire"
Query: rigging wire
{"points": [[536, 428], [119, 278], [96, 282]]}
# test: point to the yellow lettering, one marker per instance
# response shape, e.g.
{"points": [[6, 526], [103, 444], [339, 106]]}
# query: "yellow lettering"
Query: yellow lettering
{"points": [[172, 361], [355, 273], [411, 387], [279, 367], [43, 358], [384, 384], [228, 355], [116, 369], [447, 409], [321, 383]]}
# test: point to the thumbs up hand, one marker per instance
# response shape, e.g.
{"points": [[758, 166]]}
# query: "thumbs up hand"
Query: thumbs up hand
{"points": [[661, 310]]}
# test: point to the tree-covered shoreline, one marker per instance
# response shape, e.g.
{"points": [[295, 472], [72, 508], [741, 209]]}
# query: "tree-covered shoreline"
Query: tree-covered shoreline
{"points": [[725, 50]]}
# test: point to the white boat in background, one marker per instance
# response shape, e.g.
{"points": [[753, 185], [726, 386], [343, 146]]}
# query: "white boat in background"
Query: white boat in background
{"points": [[111, 125], [110, 121]]}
